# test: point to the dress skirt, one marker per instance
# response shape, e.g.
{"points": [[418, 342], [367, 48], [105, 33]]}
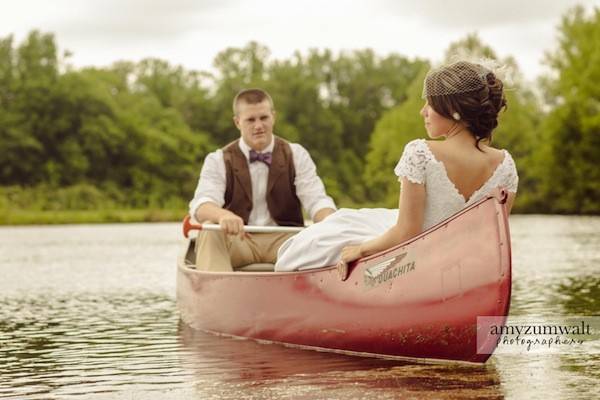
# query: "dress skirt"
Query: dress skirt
{"points": [[320, 244]]}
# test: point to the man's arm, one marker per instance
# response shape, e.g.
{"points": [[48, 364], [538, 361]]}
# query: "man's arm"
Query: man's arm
{"points": [[210, 196], [230, 223], [322, 214], [309, 187]]}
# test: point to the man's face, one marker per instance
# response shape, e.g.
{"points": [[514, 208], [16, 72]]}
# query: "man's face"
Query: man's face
{"points": [[255, 122]]}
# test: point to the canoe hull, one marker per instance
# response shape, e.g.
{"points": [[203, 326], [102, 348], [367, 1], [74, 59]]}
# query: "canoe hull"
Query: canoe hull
{"points": [[419, 300]]}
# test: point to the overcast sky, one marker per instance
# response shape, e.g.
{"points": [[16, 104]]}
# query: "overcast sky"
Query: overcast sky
{"points": [[191, 33]]}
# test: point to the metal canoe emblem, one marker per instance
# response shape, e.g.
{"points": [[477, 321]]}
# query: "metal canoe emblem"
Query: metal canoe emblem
{"points": [[386, 270]]}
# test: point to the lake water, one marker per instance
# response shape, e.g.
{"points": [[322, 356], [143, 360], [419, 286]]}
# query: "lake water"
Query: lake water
{"points": [[88, 312]]}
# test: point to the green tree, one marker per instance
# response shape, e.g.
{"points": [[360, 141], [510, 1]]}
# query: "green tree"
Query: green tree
{"points": [[19, 150], [393, 131], [236, 69], [28, 79], [302, 114], [121, 129], [571, 181], [361, 88]]}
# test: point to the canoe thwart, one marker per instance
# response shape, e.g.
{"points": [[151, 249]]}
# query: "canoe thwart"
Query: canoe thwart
{"points": [[257, 267]]}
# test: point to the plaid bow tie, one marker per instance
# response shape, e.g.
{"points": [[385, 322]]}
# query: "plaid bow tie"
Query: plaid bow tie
{"points": [[264, 157]]}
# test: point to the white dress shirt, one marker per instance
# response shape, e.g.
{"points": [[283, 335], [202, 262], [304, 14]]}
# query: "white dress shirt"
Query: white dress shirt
{"points": [[309, 187]]}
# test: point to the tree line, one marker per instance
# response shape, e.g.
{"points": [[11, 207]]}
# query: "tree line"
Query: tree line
{"points": [[133, 135]]}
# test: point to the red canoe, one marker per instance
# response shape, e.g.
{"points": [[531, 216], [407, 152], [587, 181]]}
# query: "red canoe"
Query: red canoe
{"points": [[420, 299]]}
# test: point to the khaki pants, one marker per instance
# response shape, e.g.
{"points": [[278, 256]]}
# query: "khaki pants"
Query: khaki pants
{"points": [[216, 251]]}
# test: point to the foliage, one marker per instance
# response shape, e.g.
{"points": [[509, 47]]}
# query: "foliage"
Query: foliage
{"points": [[393, 131], [133, 135], [571, 134], [121, 129]]}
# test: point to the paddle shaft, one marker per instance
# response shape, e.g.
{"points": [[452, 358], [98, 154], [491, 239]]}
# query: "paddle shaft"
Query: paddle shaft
{"points": [[256, 229], [188, 226]]}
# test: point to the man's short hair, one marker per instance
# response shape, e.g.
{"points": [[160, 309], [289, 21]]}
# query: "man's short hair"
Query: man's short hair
{"points": [[251, 96]]}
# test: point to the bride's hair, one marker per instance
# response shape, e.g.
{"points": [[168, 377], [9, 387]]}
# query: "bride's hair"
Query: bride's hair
{"points": [[467, 92]]}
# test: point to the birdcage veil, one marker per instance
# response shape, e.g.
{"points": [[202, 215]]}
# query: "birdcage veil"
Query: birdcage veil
{"points": [[463, 76]]}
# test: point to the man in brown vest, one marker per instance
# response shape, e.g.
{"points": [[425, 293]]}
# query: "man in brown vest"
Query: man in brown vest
{"points": [[259, 179]]}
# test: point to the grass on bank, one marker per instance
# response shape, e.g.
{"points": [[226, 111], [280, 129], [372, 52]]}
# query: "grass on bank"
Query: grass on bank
{"points": [[85, 203], [34, 217]]}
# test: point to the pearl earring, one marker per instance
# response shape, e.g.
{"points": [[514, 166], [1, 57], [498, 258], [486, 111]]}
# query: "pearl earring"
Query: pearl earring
{"points": [[456, 116]]}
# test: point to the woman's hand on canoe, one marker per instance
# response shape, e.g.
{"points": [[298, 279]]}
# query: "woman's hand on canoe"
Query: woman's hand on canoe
{"points": [[350, 253]]}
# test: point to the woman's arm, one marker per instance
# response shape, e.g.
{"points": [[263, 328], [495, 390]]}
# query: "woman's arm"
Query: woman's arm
{"points": [[411, 210]]}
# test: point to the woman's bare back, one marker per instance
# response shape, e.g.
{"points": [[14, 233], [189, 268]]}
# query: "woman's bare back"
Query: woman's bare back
{"points": [[467, 167]]}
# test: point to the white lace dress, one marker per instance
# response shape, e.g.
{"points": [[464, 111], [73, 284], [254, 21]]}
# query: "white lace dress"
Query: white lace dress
{"points": [[321, 244]]}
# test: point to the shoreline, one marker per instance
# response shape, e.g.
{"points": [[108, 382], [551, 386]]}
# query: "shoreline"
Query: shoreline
{"points": [[108, 216], [30, 217]]}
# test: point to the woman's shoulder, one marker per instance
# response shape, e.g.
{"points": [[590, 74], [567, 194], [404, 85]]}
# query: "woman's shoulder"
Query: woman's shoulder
{"points": [[505, 170], [417, 150], [414, 160], [502, 156], [416, 147], [416, 143], [493, 150], [509, 162], [506, 154]]}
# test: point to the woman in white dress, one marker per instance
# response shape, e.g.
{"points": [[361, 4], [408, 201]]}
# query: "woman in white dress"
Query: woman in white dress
{"points": [[438, 177]]}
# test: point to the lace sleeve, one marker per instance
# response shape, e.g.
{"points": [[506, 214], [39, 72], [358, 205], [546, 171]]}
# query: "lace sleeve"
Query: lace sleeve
{"points": [[511, 179], [413, 162]]}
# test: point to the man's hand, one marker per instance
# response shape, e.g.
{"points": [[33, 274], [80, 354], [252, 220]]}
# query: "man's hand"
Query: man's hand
{"points": [[232, 224]]}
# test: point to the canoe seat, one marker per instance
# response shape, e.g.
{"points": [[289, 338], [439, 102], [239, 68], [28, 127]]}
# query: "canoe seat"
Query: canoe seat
{"points": [[259, 267]]}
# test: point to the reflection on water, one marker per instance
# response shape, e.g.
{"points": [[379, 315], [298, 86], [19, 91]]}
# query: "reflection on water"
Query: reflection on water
{"points": [[580, 294], [548, 253], [89, 312], [270, 371], [82, 346]]}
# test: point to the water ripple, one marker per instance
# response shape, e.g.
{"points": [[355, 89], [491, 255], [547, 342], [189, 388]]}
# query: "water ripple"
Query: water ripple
{"points": [[89, 313], [107, 340]]}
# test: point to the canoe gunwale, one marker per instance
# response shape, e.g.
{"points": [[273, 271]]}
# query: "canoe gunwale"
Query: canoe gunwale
{"points": [[499, 194]]}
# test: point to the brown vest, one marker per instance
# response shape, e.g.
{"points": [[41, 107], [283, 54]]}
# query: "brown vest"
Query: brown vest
{"points": [[282, 202]]}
